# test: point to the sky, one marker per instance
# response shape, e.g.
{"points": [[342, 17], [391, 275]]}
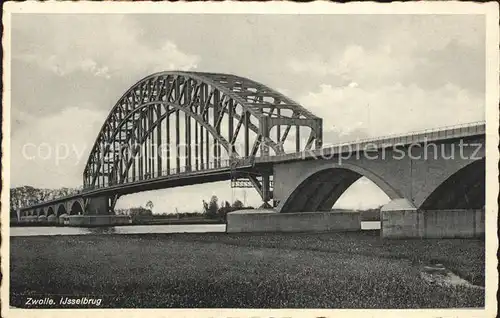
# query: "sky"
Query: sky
{"points": [[365, 75]]}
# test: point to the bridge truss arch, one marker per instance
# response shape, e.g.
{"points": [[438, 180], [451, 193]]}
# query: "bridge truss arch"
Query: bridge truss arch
{"points": [[171, 122]]}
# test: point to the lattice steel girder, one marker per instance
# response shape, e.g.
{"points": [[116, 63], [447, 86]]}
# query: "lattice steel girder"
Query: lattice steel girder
{"points": [[234, 99], [293, 121], [241, 183], [246, 183]]}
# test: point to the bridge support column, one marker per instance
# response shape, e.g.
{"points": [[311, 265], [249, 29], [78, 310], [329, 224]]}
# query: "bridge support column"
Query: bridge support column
{"points": [[98, 206], [266, 188], [98, 211], [400, 219]]}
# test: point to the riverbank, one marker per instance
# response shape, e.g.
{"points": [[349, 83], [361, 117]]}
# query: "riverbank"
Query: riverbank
{"points": [[323, 270], [366, 216], [163, 221]]}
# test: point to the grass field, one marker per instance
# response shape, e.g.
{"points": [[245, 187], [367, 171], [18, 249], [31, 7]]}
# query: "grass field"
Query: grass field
{"points": [[328, 270]]}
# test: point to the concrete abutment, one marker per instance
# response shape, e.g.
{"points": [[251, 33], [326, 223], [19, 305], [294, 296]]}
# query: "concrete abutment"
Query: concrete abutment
{"points": [[246, 221], [412, 223]]}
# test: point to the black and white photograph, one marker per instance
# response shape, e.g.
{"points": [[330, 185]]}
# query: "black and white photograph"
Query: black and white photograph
{"points": [[235, 157]]}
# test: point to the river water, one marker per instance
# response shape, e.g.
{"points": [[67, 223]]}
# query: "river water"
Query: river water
{"points": [[137, 229]]}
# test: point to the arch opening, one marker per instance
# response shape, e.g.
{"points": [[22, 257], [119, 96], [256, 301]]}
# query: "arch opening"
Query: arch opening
{"points": [[76, 209], [322, 190], [50, 211], [465, 189], [61, 209]]}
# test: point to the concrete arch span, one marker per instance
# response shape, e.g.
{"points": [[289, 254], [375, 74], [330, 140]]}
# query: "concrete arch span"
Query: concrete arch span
{"points": [[465, 189], [76, 208], [49, 211], [319, 189], [61, 209]]}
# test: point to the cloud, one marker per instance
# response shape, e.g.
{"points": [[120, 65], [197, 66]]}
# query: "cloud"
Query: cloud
{"points": [[358, 65], [168, 57], [91, 63], [101, 47], [176, 59], [426, 51], [91, 66], [53, 152], [62, 67], [392, 109]]}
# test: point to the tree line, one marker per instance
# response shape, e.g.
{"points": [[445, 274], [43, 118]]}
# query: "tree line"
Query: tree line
{"points": [[212, 210], [28, 195]]}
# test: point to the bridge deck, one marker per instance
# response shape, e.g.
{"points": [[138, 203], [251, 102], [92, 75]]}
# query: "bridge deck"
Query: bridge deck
{"points": [[168, 181]]}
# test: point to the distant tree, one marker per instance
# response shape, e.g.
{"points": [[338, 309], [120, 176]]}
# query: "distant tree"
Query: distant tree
{"points": [[28, 195], [13, 214], [149, 205], [213, 207], [16, 199], [24, 196], [43, 194], [31, 195], [139, 214], [121, 211], [224, 210], [205, 207], [65, 191], [237, 205]]}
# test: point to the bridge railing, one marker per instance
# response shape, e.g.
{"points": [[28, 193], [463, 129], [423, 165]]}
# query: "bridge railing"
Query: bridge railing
{"points": [[393, 139], [432, 133]]}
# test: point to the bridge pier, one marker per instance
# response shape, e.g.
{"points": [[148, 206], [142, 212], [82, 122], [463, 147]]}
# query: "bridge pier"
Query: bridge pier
{"points": [[98, 206], [412, 223], [246, 221], [266, 188]]}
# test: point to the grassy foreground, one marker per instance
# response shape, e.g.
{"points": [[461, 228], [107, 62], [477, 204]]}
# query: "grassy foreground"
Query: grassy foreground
{"points": [[327, 270]]}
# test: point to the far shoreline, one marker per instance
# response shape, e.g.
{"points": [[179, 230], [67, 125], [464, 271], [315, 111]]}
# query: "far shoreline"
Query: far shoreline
{"points": [[159, 222]]}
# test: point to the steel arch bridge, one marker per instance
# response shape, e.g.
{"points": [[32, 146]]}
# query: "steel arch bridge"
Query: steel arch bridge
{"points": [[176, 122]]}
